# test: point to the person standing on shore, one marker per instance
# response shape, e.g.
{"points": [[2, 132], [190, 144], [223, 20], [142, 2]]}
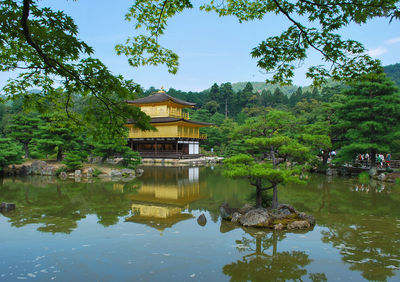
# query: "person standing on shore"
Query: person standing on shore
{"points": [[388, 157]]}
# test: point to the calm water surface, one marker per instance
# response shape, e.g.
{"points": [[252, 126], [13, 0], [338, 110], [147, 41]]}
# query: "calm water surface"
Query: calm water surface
{"points": [[147, 230]]}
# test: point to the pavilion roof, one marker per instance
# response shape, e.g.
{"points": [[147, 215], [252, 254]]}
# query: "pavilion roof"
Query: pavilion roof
{"points": [[158, 97], [172, 119]]}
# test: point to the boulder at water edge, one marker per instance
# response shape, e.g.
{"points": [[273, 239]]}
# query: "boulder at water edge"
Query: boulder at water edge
{"points": [[202, 220], [256, 218], [284, 217]]}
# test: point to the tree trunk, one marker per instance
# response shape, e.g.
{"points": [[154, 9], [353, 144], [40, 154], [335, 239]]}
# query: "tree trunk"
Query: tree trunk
{"points": [[59, 154], [273, 156], [26, 149], [372, 159], [325, 157], [275, 197], [259, 196]]}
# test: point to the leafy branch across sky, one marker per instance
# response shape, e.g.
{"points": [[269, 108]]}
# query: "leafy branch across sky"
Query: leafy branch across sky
{"points": [[314, 25]]}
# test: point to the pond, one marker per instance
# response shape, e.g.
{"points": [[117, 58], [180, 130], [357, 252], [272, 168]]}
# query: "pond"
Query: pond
{"points": [[147, 230]]}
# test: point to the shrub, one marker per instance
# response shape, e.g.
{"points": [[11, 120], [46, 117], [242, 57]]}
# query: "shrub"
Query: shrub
{"points": [[96, 172], [37, 155], [73, 161], [131, 159], [61, 169]]}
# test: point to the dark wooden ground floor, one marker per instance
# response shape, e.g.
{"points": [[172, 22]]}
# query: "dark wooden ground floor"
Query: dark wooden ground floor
{"points": [[166, 148]]}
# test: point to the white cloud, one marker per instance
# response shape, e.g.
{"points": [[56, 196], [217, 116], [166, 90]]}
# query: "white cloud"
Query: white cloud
{"points": [[393, 40], [376, 52]]}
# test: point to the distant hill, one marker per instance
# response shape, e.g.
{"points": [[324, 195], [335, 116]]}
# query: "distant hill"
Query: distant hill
{"points": [[393, 71], [260, 86], [288, 90]]}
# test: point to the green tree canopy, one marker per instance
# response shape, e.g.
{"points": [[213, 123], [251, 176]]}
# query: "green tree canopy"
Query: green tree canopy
{"points": [[10, 153], [55, 134], [263, 176], [42, 46], [269, 144], [369, 117], [23, 128]]}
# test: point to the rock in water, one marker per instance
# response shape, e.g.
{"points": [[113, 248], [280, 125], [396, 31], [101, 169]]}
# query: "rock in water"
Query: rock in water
{"points": [[245, 208], [226, 211], [202, 220], [256, 218], [236, 217], [126, 172], [115, 173], [63, 175], [90, 172], [49, 171], [306, 217], [37, 166], [299, 224]]}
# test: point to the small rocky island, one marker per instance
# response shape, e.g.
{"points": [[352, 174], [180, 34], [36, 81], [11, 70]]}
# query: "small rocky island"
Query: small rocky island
{"points": [[284, 217]]}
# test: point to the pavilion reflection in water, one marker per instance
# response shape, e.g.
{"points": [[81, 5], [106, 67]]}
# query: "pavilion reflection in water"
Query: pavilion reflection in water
{"points": [[164, 196]]}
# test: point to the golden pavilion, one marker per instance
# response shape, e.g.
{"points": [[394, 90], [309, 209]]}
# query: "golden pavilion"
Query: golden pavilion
{"points": [[176, 137]]}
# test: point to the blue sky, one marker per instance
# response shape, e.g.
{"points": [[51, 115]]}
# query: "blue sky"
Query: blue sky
{"points": [[211, 49]]}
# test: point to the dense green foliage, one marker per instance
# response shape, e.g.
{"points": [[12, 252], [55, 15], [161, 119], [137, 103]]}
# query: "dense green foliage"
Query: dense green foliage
{"points": [[10, 153], [308, 124], [41, 45], [23, 129], [51, 136], [369, 117], [276, 154], [73, 161]]}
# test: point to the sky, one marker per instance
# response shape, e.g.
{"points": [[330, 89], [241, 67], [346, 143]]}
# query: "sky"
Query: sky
{"points": [[211, 49]]}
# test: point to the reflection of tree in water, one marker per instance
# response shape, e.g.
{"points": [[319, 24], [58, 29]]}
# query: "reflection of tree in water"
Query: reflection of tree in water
{"points": [[219, 189], [59, 206], [370, 245], [265, 263]]}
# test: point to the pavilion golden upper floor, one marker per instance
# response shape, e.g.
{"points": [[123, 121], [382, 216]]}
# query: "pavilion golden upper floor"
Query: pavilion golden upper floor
{"points": [[176, 136], [168, 117]]}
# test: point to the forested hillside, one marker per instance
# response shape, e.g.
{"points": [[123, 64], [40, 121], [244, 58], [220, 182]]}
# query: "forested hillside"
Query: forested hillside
{"points": [[259, 86], [393, 71]]}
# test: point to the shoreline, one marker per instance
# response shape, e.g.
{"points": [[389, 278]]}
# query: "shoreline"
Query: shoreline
{"points": [[202, 161]]}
